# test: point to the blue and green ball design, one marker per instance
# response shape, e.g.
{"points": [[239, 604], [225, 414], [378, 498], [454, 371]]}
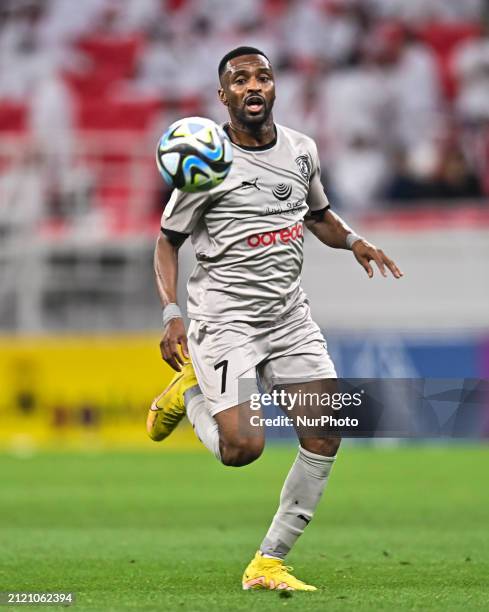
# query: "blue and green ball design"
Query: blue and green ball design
{"points": [[194, 154]]}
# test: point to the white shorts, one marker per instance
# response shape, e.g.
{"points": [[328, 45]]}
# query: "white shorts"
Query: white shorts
{"points": [[225, 354]]}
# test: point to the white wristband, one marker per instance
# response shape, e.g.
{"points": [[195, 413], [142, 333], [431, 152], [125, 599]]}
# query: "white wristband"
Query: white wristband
{"points": [[351, 239], [171, 311]]}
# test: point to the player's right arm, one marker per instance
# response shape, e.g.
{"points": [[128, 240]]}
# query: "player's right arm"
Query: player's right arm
{"points": [[178, 221], [166, 274]]}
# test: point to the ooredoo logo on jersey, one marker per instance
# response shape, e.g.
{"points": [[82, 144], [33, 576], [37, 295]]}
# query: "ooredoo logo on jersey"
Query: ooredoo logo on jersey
{"points": [[283, 236]]}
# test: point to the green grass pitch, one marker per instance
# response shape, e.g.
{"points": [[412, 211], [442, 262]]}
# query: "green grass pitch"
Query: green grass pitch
{"points": [[398, 529]]}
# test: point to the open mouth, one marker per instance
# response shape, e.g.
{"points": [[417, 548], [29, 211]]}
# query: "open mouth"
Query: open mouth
{"points": [[254, 103]]}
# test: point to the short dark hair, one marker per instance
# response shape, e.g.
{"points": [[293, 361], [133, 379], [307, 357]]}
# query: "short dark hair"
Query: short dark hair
{"points": [[237, 53]]}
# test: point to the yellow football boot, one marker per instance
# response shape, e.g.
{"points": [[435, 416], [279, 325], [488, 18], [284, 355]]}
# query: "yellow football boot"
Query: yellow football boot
{"points": [[168, 409], [265, 573]]}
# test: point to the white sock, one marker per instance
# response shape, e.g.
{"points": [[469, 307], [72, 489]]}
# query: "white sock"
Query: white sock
{"points": [[299, 498], [204, 425]]}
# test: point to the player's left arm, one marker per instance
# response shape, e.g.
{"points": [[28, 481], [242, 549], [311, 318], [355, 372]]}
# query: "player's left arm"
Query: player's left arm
{"points": [[331, 230]]}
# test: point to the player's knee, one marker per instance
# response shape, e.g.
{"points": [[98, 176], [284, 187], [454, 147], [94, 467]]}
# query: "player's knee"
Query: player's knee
{"points": [[241, 452], [327, 447]]}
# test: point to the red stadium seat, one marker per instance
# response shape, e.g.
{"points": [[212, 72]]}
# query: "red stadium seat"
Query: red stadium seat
{"points": [[117, 203], [275, 8], [107, 114], [120, 128], [13, 116], [94, 84], [173, 6], [116, 53], [443, 38], [189, 106]]}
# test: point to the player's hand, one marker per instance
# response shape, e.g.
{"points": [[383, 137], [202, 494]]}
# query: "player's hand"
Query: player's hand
{"points": [[366, 252], [173, 345]]}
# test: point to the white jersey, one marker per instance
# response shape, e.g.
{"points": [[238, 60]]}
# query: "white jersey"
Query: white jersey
{"points": [[248, 232]]}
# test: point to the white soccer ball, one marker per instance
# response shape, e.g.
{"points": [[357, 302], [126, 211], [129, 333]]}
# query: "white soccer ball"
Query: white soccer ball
{"points": [[194, 154]]}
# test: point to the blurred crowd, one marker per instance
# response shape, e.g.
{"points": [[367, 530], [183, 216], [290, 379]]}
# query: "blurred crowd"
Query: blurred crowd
{"points": [[395, 92]]}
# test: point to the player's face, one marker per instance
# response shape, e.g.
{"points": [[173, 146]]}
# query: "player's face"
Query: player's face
{"points": [[248, 89]]}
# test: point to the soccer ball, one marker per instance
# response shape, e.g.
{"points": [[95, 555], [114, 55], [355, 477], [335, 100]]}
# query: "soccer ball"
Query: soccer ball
{"points": [[194, 154]]}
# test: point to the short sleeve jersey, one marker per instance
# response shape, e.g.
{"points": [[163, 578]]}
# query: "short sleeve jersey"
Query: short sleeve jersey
{"points": [[248, 232]]}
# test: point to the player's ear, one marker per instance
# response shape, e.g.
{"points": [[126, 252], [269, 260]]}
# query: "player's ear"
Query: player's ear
{"points": [[222, 96]]}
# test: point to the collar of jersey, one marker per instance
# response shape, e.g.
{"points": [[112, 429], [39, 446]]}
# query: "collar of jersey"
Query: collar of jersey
{"points": [[265, 147]]}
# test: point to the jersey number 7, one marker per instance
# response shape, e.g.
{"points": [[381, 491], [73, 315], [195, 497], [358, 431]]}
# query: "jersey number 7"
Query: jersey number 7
{"points": [[224, 365]]}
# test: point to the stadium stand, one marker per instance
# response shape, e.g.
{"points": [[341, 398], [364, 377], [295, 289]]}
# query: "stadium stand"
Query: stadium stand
{"points": [[362, 43], [395, 94]]}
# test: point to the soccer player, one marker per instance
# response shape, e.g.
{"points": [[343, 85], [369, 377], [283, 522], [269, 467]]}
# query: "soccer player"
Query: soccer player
{"points": [[249, 315]]}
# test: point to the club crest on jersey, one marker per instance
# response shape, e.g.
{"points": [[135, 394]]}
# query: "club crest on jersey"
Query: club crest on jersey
{"points": [[304, 166], [282, 191]]}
